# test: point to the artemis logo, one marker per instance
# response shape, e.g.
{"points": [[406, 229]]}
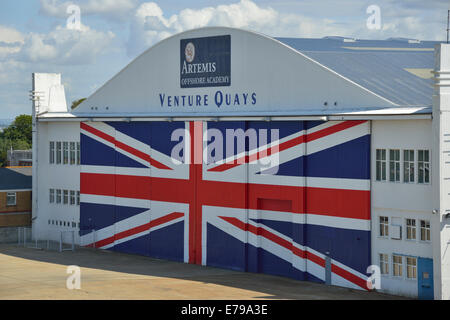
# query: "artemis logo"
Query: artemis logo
{"points": [[189, 52]]}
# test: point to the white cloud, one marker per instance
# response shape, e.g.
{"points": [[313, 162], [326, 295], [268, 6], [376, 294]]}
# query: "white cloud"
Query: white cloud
{"points": [[61, 46], [149, 25], [116, 9]]}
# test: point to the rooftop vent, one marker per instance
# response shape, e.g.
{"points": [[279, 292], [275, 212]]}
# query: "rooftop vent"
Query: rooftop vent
{"points": [[404, 40], [343, 39]]}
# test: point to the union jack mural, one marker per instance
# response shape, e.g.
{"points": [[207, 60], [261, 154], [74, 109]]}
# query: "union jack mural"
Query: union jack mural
{"points": [[228, 213]]}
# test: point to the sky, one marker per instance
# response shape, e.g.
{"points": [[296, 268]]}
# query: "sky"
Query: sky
{"points": [[41, 36]]}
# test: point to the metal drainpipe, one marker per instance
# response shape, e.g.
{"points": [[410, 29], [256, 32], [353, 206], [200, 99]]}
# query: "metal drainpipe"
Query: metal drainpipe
{"points": [[34, 128]]}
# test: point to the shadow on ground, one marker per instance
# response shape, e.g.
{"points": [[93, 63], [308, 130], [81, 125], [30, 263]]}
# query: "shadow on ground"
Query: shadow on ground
{"points": [[272, 287]]}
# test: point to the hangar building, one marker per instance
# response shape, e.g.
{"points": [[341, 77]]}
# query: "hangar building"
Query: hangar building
{"points": [[307, 158]]}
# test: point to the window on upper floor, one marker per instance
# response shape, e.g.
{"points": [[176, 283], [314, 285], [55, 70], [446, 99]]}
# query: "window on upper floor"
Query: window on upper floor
{"points": [[394, 165], [78, 153], [65, 152], [411, 229], [425, 230], [423, 165], [52, 196], [52, 152], [384, 226], [408, 166], [58, 152], [381, 164], [72, 153], [58, 196], [65, 196], [72, 197]]}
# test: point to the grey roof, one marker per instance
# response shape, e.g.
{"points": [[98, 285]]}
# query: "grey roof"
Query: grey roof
{"points": [[378, 65], [15, 178]]}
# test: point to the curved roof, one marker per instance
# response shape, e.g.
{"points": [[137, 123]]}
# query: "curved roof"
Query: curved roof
{"points": [[288, 76]]}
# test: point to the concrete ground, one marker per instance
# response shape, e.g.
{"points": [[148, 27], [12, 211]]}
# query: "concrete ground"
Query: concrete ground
{"points": [[37, 274]]}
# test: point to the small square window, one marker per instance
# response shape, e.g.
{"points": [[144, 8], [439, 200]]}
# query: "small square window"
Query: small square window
{"points": [[58, 196], [11, 199], [425, 230]]}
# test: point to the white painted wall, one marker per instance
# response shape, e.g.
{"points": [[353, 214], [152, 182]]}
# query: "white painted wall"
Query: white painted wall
{"points": [[56, 176], [399, 200], [441, 189]]}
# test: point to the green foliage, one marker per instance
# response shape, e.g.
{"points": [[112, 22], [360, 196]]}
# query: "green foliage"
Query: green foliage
{"points": [[77, 102], [18, 136]]}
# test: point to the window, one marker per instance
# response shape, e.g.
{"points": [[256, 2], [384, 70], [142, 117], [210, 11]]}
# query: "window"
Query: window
{"points": [[52, 152], [408, 165], [65, 196], [65, 152], [78, 198], [381, 165], [384, 226], [394, 165], [58, 152], [52, 196], [411, 268], [397, 265], [384, 263], [10, 198], [423, 166], [78, 153], [72, 197], [72, 153], [425, 230], [410, 229], [58, 196]]}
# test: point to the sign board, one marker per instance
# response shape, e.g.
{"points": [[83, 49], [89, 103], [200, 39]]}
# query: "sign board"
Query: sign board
{"points": [[205, 62]]}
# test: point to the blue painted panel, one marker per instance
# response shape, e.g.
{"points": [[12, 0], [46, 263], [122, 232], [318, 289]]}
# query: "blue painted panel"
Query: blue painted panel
{"points": [[224, 251], [95, 216], [168, 242]]}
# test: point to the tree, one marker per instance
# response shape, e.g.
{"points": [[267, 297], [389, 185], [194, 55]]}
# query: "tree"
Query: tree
{"points": [[77, 102], [18, 136]]}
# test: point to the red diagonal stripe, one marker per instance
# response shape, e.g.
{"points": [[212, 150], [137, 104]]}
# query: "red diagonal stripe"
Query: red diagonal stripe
{"points": [[138, 229], [287, 144], [301, 253], [124, 147]]}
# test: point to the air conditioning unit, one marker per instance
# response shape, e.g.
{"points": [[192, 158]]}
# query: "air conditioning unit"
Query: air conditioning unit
{"points": [[396, 232]]}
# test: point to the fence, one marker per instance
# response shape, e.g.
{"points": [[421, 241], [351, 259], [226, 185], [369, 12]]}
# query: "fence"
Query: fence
{"points": [[50, 240]]}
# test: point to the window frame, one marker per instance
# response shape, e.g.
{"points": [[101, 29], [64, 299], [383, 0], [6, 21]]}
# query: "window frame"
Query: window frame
{"points": [[78, 153], [72, 200], [65, 196], [10, 195], [399, 264], [52, 152], [414, 268], [65, 152], [380, 165], [396, 164], [384, 263], [427, 230], [408, 227], [58, 196], [408, 166], [51, 195], [72, 153], [58, 152], [383, 226], [426, 166]]}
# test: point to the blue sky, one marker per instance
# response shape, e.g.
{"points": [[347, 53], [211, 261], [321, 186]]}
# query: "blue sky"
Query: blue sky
{"points": [[34, 36]]}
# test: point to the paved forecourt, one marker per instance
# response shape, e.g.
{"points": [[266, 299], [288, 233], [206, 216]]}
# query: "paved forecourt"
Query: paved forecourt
{"points": [[27, 273]]}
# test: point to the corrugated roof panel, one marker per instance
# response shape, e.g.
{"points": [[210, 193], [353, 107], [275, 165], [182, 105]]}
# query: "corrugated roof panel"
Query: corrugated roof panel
{"points": [[378, 65]]}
